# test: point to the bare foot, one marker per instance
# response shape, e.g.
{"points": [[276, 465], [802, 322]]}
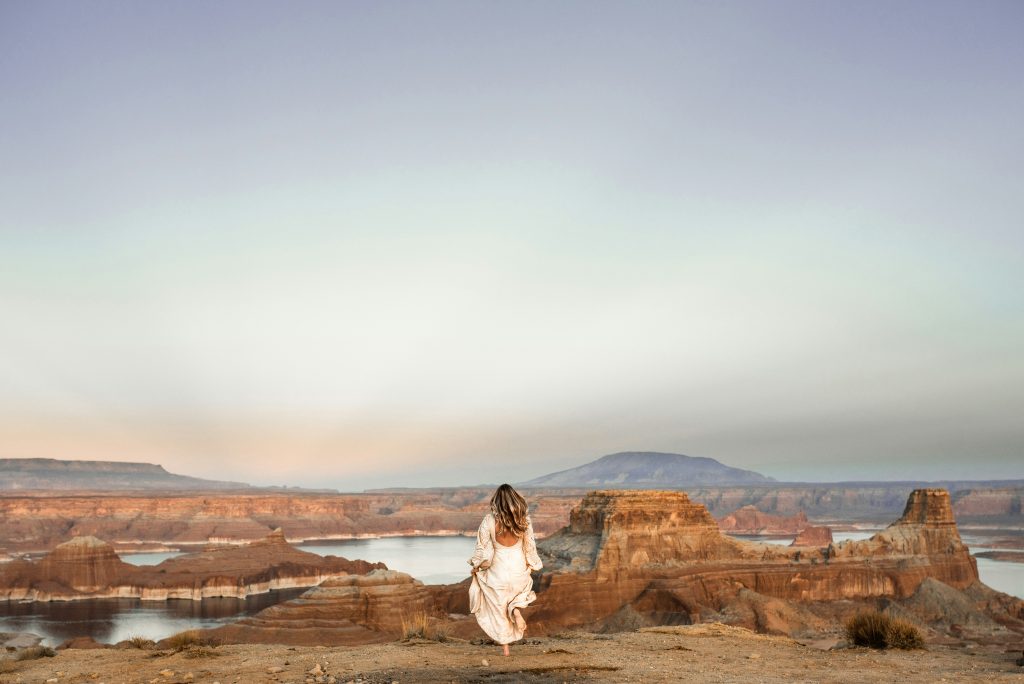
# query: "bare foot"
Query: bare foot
{"points": [[520, 622], [504, 650]]}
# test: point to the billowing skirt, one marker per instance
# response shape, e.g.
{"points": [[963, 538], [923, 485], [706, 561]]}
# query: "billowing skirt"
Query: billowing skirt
{"points": [[498, 590]]}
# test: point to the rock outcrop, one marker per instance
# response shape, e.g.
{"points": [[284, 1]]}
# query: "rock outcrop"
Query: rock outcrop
{"points": [[354, 609], [662, 555], [749, 520], [614, 532], [87, 567], [814, 535]]}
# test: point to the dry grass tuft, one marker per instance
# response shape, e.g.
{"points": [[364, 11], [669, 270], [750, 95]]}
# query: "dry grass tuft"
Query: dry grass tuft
{"points": [[903, 634], [139, 642], [420, 626], [878, 630], [189, 639]]}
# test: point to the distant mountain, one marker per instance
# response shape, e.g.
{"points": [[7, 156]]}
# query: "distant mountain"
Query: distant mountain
{"points": [[649, 470], [50, 473]]}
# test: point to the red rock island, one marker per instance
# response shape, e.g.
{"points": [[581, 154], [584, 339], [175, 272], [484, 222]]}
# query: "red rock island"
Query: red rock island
{"points": [[86, 568]]}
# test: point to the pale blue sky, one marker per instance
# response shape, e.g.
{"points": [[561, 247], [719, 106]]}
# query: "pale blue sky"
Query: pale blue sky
{"points": [[368, 244]]}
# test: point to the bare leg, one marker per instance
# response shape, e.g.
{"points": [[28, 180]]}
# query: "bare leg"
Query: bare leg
{"points": [[504, 649]]}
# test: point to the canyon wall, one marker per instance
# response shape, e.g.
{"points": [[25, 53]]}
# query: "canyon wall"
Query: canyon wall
{"points": [[38, 522]]}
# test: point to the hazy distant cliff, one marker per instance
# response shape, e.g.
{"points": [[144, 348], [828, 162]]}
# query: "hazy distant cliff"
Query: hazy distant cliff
{"points": [[49, 474]]}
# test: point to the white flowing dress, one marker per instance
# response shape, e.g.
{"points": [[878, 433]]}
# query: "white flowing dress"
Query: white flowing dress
{"points": [[502, 581]]}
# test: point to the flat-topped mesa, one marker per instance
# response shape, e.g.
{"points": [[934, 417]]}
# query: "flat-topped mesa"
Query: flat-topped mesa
{"points": [[610, 531]]}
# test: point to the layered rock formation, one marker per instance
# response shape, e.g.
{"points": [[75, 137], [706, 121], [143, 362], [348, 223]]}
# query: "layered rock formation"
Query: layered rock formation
{"points": [[38, 523], [633, 531], [354, 609], [87, 567], [630, 558], [923, 544], [814, 535], [749, 520]]}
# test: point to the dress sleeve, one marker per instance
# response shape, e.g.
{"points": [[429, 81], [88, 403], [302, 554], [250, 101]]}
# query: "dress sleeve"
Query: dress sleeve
{"points": [[484, 546], [532, 558]]}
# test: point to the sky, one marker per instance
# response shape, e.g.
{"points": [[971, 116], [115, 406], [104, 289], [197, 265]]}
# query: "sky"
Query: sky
{"points": [[358, 245]]}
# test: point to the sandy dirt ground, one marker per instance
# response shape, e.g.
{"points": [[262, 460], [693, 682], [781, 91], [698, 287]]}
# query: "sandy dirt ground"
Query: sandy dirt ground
{"points": [[699, 653]]}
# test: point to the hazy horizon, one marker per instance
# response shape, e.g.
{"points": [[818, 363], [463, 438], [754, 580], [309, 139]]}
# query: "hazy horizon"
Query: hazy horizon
{"points": [[356, 245]]}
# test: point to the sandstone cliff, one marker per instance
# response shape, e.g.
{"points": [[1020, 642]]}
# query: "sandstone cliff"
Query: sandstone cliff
{"points": [[749, 520], [38, 523], [814, 535], [86, 567]]}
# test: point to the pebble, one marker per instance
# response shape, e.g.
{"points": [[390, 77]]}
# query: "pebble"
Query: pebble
{"points": [[485, 662], [274, 669], [51, 680], [189, 676], [166, 673], [754, 656]]}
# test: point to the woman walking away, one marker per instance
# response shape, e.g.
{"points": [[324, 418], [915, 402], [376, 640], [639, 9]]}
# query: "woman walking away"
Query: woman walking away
{"points": [[506, 552]]}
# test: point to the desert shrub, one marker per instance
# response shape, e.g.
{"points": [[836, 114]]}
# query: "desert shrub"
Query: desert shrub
{"points": [[878, 630], [139, 642], [193, 637], [420, 626], [867, 629], [903, 634], [34, 653]]}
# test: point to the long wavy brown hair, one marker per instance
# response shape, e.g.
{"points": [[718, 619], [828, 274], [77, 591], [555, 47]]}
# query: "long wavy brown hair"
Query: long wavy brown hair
{"points": [[509, 509]]}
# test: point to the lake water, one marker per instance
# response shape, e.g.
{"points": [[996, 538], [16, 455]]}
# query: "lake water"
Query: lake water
{"points": [[433, 560], [113, 620]]}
